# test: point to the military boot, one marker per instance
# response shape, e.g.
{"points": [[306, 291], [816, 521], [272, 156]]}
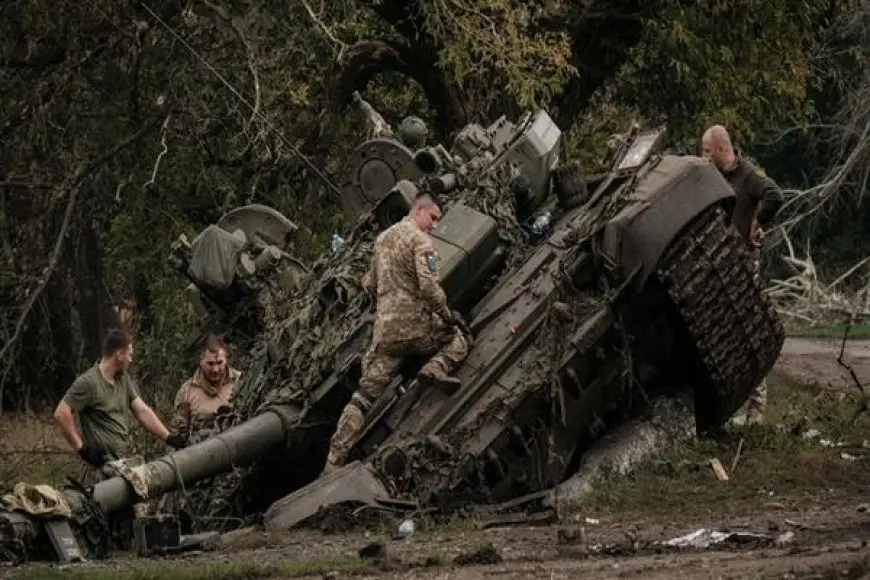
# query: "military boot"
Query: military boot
{"points": [[349, 425], [434, 374]]}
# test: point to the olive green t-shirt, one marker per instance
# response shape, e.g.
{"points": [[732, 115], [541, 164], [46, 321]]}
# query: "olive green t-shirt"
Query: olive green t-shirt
{"points": [[104, 409]]}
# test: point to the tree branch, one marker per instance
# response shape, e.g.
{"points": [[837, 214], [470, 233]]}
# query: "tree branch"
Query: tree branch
{"points": [[70, 186], [326, 31], [249, 51], [160, 155]]}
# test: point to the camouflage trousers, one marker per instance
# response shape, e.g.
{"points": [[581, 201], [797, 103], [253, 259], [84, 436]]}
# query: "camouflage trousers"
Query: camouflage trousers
{"points": [[447, 347]]}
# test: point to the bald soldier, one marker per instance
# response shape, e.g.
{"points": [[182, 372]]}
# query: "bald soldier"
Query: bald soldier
{"points": [[759, 199], [413, 318]]}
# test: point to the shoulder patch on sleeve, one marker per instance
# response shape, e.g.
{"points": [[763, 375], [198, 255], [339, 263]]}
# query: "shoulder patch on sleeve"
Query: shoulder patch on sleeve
{"points": [[759, 172], [431, 261]]}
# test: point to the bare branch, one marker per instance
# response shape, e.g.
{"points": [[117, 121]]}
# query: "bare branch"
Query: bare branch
{"points": [[159, 157], [852, 374], [69, 187], [805, 298], [252, 67], [329, 34]]}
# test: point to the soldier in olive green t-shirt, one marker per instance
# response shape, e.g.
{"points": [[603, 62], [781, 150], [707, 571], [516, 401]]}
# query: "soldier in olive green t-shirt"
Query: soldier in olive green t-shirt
{"points": [[107, 401], [104, 409]]}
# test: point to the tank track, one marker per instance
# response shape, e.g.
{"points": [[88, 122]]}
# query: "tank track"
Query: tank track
{"points": [[735, 332]]}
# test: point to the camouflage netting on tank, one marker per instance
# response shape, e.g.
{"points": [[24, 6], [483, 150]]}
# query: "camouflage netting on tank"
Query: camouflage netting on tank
{"points": [[492, 198], [305, 331], [436, 464]]}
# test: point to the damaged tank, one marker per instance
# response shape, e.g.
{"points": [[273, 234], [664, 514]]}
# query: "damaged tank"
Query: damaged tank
{"points": [[584, 297]]}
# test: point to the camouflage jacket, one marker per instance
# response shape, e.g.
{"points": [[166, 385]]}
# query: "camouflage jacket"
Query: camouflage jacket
{"points": [[198, 401], [404, 277], [758, 196]]}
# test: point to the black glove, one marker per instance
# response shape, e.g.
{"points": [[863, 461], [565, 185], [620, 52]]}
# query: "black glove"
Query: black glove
{"points": [[94, 455], [454, 318], [177, 440]]}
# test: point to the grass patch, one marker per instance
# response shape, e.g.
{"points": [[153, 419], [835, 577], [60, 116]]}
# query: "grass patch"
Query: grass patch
{"points": [[33, 450], [192, 571], [856, 332], [775, 457]]}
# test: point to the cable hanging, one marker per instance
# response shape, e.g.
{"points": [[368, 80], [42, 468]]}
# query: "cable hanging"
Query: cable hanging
{"points": [[241, 97]]}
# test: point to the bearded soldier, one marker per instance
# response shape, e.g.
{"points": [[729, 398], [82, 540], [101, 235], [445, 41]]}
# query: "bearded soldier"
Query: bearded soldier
{"points": [[206, 395], [413, 318]]}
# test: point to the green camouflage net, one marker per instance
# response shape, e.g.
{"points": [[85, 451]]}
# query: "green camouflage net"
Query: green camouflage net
{"points": [[298, 351], [304, 332]]}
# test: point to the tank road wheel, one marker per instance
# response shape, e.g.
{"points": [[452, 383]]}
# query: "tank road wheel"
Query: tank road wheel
{"points": [[736, 334], [569, 186]]}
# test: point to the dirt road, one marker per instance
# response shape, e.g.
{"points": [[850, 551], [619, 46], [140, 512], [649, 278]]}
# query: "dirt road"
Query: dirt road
{"points": [[813, 362]]}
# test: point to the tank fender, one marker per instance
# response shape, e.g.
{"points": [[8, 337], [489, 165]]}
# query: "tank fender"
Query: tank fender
{"points": [[668, 197]]}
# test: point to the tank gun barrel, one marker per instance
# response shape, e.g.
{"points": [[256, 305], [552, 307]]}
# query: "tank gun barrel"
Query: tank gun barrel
{"points": [[236, 447]]}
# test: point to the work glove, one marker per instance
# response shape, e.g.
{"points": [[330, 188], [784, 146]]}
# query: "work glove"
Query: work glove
{"points": [[224, 417], [94, 455], [177, 440]]}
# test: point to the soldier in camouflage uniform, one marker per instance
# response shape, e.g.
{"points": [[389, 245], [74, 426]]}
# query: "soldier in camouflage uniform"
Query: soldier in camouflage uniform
{"points": [[202, 410], [759, 199], [413, 317], [205, 396]]}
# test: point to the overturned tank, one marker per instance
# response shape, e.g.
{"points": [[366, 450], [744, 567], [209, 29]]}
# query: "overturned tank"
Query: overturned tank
{"points": [[584, 296]]}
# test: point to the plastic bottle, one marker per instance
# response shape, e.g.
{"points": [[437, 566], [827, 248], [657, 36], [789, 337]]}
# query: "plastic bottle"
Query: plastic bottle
{"points": [[406, 528], [541, 223], [337, 243]]}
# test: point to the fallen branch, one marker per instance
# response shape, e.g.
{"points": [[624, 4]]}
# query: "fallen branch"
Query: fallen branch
{"points": [[70, 187], [804, 297], [737, 456]]}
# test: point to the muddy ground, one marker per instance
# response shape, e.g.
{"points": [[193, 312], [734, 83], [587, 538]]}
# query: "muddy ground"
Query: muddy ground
{"points": [[799, 483]]}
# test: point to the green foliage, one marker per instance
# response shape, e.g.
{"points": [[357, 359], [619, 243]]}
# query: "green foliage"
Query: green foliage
{"points": [[744, 64], [501, 41], [80, 79]]}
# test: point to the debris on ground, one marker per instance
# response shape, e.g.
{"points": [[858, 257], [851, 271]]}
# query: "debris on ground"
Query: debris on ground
{"points": [[704, 538], [406, 528], [721, 475], [486, 554]]}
